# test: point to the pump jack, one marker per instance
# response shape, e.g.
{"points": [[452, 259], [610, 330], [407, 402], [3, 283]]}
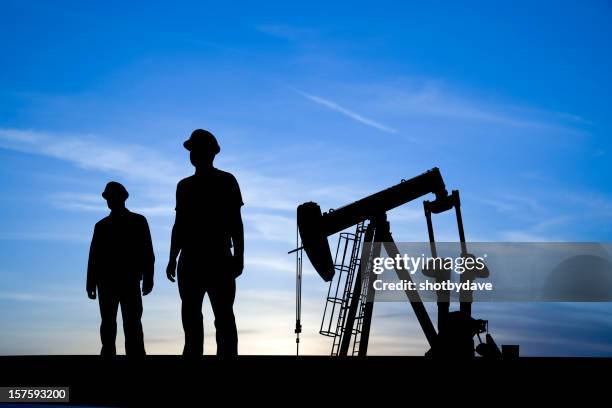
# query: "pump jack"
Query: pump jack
{"points": [[456, 330]]}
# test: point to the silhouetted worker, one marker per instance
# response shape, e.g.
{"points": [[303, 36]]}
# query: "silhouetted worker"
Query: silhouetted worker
{"points": [[120, 256], [207, 223]]}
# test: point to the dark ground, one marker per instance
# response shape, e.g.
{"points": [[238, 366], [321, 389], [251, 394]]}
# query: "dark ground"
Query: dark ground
{"points": [[263, 380]]}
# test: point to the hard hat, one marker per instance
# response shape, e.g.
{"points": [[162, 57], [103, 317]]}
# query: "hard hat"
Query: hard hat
{"points": [[202, 139], [115, 190]]}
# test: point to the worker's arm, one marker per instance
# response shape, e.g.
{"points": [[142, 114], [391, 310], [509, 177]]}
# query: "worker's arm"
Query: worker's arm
{"points": [[175, 240], [92, 265], [175, 248], [149, 260], [236, 228], [237, 234]]}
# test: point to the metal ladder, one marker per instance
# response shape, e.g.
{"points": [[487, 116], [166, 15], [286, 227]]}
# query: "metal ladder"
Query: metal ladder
{"points": [[339, 294]]}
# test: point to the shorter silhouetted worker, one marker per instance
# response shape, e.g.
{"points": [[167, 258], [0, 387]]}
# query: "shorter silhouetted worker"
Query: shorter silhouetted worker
{"points": [[120, 257]]}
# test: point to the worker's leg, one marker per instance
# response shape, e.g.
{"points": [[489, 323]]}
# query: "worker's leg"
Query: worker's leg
{"points": [[222, 293], [131, 311], [109, 303], [192, 296]]}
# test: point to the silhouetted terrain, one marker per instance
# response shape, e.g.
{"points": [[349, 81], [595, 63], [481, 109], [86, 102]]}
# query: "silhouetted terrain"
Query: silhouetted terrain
{"points": [[293, 380]]}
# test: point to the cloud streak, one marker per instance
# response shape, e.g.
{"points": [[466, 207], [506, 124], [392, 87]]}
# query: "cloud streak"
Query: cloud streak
{"points": [[269, 200], [346, 112], [144, 166], [90, 153], [429, 98]]}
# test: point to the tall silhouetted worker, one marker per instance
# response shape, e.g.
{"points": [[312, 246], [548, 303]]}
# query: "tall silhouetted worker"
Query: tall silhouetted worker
{"points": [[207, 223], [120, 256]]}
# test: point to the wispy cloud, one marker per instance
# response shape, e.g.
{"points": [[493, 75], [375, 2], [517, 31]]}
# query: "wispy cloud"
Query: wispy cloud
{"points": [[92, 153], [271, 263], [272, 227], [513, 204], [146, 167], [38, 297], [431, 98], [550, 213], [268, 199], [345, 111]]}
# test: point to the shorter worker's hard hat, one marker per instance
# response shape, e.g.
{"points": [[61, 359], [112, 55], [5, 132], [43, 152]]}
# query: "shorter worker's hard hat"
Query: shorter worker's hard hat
{"points": [[114, 189]]}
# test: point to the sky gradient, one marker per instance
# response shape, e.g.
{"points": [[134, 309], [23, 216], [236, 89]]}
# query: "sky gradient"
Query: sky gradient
{"points": [[320, 102]]}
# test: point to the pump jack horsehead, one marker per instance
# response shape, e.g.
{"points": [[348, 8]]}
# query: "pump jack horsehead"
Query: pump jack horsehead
{"points": [[455, 332]]}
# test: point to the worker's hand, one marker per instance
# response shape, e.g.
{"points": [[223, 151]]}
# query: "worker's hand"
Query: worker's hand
{"points": [[171, 270], [91, 293], [147, 286], [238, 265]]}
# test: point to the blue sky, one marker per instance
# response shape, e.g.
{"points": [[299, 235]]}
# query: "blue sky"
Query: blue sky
{"points": [[323, 102]]}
